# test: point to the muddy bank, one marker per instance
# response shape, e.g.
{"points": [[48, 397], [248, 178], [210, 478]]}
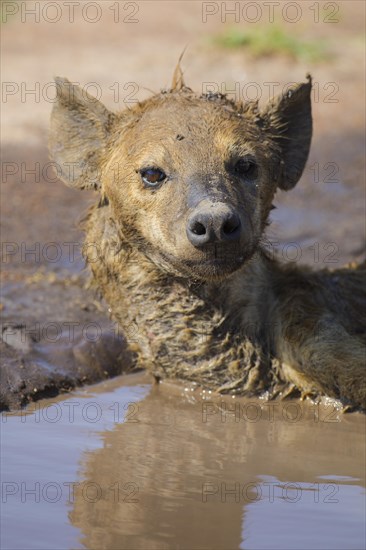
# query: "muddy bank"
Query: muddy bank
{"points": [[55, 336], [55, 333]]}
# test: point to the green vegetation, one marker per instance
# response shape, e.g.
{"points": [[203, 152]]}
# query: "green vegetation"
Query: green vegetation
{"points": [[272, 40]]}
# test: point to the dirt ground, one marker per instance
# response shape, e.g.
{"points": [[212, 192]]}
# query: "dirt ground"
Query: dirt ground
{"points": [[123, 56]]}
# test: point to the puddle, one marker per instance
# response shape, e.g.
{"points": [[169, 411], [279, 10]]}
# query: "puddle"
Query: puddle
{"points": [[41, 452], [305, 515], [128, 464]]}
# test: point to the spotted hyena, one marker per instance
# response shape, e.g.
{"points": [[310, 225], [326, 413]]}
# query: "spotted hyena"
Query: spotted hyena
{"points": [[185, 186]]}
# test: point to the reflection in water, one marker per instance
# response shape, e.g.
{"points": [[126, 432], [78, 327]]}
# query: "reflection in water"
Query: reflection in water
{"points": [[186, 473], [122, 465]]}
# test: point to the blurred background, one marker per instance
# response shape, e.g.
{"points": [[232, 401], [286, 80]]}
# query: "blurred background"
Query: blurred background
{"points": [[124, 51]]}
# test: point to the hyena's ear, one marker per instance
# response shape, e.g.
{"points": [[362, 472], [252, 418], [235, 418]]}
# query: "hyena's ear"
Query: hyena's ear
{"points": [[290, 125], [79, 128]]}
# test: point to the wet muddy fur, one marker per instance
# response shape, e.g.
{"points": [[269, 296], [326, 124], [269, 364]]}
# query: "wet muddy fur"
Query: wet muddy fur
{"points": [[175, 242]]}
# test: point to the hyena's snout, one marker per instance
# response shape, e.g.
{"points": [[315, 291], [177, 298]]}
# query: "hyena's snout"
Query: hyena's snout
{"points": [[215, 223]]}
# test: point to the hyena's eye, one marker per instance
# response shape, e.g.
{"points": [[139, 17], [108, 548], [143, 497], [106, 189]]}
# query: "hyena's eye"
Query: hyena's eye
{"points": [[152, 177], [246, 168]]}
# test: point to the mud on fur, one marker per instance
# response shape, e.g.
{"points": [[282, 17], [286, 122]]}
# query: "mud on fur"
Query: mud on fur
{"points": [[185, 185]]}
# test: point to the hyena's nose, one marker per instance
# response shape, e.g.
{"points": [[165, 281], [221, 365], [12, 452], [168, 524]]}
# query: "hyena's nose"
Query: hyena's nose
{"points": [[213, 224]]}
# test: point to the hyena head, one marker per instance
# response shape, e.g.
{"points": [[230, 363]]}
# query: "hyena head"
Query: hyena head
{"points": [[189, 178]]}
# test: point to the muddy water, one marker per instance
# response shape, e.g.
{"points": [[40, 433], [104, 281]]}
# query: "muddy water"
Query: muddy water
{"points": [[129, 464]]}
